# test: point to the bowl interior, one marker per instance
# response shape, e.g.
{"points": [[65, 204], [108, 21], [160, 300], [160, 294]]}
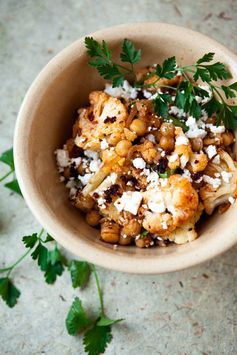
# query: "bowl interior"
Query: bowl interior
{"points": [[45, 122]]}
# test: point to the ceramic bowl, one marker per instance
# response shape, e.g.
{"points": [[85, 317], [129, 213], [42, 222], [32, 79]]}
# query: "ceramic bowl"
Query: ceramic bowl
{"points": [[45, 122]]}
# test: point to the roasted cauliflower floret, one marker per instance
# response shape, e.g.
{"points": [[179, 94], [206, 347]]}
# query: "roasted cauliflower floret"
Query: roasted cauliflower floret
{"points": [[223, 177], [169, 205], [182, 151], [103, 120], [198, 162], [186, 233]]}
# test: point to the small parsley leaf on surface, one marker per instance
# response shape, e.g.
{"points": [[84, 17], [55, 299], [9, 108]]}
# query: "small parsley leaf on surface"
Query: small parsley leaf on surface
{"points": [[129, 53], [77, 319], [9, 292], [14, 186], [96, 339], [167, 70], [41, 255], [104, 321], [30, 240], [7, 158], [48, 238], [80, 273]]}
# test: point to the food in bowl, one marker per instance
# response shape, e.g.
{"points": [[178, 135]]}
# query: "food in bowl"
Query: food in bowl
{"points": [[149, 157]]}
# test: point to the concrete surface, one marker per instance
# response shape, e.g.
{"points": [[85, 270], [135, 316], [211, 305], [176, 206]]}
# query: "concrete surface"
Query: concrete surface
{"points": [[188, 312]]}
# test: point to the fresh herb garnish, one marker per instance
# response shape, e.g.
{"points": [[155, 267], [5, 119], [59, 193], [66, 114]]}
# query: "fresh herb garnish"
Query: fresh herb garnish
{"points": [[7, 158], [97, 332], [186, 91]]}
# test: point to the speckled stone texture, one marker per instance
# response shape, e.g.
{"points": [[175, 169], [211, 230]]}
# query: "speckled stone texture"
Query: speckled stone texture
{"points": [[189, 312]]}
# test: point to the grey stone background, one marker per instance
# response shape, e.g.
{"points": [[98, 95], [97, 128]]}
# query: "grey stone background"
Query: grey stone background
{"points": [[188, 312]]}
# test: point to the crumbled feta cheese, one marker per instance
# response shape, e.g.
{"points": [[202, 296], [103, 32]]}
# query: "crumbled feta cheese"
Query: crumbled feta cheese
{"points": [[85, 178], [215, 129], [163, 153], [211, 151], [139, 163], [126, 91], [164, 225], [173, 157], [151, 138], [209, 92], [174, 110], [101, 202], [70, 184], [226, 176], [183, 161], [104, 144], [214, 182], [129, 201], [182, 140], [76, 161], [231, 200], [72, 192], [91, 154], [187, 174], [194, 131], [147, 94], [217, 159], [62, 158], [95, 165], [217, 174], [61, 178]]}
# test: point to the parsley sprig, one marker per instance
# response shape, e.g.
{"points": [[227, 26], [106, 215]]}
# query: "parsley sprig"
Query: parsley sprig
{"points": [[102, 60], [44, 250], [187, 93], [7, 158]]}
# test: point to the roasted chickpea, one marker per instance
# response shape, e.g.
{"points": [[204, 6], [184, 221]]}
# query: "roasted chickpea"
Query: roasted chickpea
{"points": [[122, 147], [125, 239], [227, 138], [167, 129], [196, 144], [157, 135], [66, 172], [144, 242], [84, 203], [110, 232], [167, 143], [138, 126], [156, 122], [132, 228], [93, 218]]}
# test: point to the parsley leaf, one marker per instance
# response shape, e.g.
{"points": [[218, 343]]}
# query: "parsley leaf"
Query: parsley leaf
{"points": [[161, 104], [7, 158], [230, 91], [80, 273], [177, 122], [211, 72], [129, 53], [41, 255], [14, 186], [30, 240], [206, 58], [167, 70], [111, 72], [77, 318], [144, 233], [52, 271], [48, 238], [9, 292], [104, 321], [95, 49], [96, 339]]}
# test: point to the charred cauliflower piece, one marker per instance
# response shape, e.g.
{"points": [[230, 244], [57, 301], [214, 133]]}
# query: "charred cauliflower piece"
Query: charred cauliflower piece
{"points": [[170, 206], [213, 195], [104, 119]]}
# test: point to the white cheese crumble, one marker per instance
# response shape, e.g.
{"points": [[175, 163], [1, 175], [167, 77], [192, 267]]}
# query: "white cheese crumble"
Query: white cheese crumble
{"points": [[91, 154], [173, 157], [85, 178], [211, 151], [101, 203], [194, 131], [95, 165], [214, 182], [129, 201], [187, 174], [182, 140], [139, 163], [231, 200], [151, 138], [147, 94], [76, 161], [126, 91], [215, 129], [104, 144], [183, 161], [174, 110], [62, 158], [226, 176]]}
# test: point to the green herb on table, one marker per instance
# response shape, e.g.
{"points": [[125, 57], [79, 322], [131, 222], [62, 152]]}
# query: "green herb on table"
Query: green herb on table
{"points": [[97, 332], [186, 91], [7, 158]]}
